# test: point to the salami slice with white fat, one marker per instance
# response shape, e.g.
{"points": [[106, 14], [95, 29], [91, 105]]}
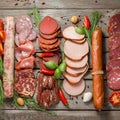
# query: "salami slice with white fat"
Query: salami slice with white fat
{"points": [[74, 90], [75, 51], [8, 77]]}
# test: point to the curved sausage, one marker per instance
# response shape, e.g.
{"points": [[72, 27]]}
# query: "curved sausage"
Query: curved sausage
{"points": [[98, 82]]}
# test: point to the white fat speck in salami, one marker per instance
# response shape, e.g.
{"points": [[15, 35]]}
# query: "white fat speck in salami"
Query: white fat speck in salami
{"points": [[9, 57]]}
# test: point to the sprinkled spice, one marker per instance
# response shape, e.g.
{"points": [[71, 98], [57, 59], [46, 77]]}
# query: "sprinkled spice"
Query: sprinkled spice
{"points": [[76, 102], [43, 3], [16, 4]]}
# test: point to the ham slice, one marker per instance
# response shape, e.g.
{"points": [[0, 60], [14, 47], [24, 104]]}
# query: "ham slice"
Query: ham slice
{"points": [[76, 72], [76, 64], [74, 90], [69, 33], [73, 79], [48, 25], [75, 51], [24, 51], [27, 63]]}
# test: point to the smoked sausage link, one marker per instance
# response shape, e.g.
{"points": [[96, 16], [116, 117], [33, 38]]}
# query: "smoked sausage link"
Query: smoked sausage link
{"points": [[98, 80]]}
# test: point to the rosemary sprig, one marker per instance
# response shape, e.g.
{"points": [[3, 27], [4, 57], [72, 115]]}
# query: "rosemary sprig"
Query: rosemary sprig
{"points": [[29, 102], [2, 96], [1, 67]]}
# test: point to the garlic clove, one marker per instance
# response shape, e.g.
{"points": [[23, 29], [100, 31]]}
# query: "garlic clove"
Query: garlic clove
{"points": [[87, 97]]}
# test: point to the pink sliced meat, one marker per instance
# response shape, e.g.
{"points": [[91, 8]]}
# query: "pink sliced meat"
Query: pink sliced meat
{"points": [[77, 64], [113, 64], [23, 22], [75, 51], [48, 25], [32, 35], [73, 79], [24, 51], [114, 41], [76, 72], [69, 33], [26, 87], [74, 90], [8, 62], [22, 36], [26, 63], [113, 79], [115, 53]]}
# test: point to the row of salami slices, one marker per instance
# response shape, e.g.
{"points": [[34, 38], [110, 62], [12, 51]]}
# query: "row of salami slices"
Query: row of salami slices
{"points": [[25, 83], [113, 65]]}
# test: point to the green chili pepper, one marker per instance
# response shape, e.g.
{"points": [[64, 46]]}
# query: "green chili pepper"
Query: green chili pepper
{"points": [[80, 30], [62, 66], [57, 73], [51, 65]]}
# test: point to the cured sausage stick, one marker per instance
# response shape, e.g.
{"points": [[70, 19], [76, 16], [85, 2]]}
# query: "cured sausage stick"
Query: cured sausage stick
{"points": [[98, 81], [8, 77]]}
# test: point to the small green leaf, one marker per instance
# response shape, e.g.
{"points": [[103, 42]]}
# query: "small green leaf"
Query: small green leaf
{"points": [[51, 65]]}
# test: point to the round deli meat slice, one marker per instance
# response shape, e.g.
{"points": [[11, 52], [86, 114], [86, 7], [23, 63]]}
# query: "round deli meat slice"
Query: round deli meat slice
{"points": [[74, 90], [113, 79], [48, 25], [70, 34], [79, 41], [76, 72], [73, 79], [76, 64], [75, 51], [46, 41]]}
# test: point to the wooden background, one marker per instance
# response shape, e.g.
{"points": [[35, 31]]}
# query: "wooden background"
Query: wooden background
{"points": [[62, 11]]}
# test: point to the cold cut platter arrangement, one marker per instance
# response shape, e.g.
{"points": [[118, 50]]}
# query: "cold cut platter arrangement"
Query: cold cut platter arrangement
{"points": [[61, 69]]}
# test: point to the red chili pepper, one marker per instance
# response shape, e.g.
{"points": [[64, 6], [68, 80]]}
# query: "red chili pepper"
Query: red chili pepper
{"points": [[47, 72], [1, 25], [114, 98], [1, 49], [2, 35], [63, 98], [47, 54], [86, 22]]}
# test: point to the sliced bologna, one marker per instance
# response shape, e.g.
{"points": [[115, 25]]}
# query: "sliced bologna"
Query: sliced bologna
{"points": [[75, 51], [74, 90], [73, 79], [76, 64], [70, 34], [76, 72], [48, 25]]}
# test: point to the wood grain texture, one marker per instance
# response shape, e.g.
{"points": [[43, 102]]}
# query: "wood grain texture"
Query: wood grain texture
{"points": [[62, 11]]}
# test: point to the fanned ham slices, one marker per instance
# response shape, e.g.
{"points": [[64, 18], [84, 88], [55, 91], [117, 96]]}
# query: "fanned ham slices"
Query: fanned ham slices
{"points": [[76, 57]]}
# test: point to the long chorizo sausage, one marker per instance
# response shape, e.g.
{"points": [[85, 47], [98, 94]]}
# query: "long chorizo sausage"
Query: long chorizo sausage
{"points": [[8, 77], [97, 72]]}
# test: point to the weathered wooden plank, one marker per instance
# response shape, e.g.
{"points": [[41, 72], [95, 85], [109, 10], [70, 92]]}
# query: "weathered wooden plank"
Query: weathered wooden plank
{"points": [[76, 103], [63, 16], [60, 4]]}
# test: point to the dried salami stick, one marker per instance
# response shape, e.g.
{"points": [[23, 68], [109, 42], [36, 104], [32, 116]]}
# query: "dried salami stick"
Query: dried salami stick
{"points": [[8, 77], [98, 86]]}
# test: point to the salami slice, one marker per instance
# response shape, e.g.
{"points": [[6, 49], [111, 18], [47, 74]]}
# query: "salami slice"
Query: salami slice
{"points": [[26, 87]]}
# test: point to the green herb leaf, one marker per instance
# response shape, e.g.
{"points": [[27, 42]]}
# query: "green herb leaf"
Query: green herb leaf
{"points": [[2, 96], [51, 65], [1, 67], [36, 16], [57, 73], [62, 66], [80, 30]]}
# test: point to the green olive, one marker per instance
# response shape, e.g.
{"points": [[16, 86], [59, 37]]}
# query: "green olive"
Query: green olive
{"points": [[51, 65], [57, 73], [80, 30]]}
